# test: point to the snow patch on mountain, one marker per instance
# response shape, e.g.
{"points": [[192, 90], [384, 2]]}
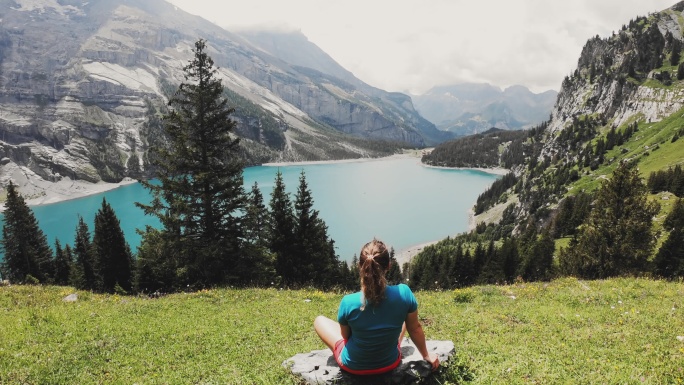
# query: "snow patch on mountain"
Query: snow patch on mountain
{"points": [[132, 78]]}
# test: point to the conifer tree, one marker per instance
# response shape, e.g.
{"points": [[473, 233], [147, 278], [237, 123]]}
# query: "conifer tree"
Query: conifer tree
{"points": [[24, 244], [346, 279], [394, 273], [281, 232], [669, 262], [462, 271], [84, 275], [354, 271], [315, 254], [510, 259], [255, 221], [618, 236], [448, 263], [479, 260], [676, 52], [305, 234], [63, 262], [155, 269], [492, 270], [199, 199], [113, 257], [537, 258], [261, 267]]}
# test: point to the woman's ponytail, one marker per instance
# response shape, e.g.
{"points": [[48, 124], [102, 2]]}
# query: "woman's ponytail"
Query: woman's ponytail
{"points": [[373, 265]]}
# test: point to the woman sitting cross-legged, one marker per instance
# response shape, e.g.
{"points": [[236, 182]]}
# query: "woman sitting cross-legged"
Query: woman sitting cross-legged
{"points": [[373, 322]]}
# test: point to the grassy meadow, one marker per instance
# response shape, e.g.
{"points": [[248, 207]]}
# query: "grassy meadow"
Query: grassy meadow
{"points": [[618, 331]]}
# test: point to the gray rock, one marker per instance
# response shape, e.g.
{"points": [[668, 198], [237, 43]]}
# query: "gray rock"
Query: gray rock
{"points": [[70, 298], [319, 366]]}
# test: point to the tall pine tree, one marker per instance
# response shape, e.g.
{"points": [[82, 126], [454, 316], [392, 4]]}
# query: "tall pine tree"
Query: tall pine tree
{"points": [[114, 260], [63, 262], [394, 274], [315, 254], [27, 253], [261, 267], [199, 198], [255, 221], [618, 236], [84, 275], [281, 232], [537, 257], [669, 262]]}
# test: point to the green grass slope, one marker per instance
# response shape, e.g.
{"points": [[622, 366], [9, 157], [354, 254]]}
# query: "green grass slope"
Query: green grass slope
{"points": [[651, 147], [626, 331]]}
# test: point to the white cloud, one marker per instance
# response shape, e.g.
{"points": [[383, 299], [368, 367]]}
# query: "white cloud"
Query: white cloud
{"points": [[413, 45]]}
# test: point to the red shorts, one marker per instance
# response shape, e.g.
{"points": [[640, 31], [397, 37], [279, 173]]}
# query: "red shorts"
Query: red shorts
{"points": [[337, 353]]}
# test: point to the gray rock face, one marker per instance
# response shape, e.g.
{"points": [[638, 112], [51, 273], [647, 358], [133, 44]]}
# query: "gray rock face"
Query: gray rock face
{"points": [[319, 366], [601, 83]]}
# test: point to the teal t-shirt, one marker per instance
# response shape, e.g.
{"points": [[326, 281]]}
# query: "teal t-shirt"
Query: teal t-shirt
{"points": [[375, 330]]}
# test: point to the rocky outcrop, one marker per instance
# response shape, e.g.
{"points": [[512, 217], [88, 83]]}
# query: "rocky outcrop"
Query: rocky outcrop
{"points": [[319, 366], [616, 77]]}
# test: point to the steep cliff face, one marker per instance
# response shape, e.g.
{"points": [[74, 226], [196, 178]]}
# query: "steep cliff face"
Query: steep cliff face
{"points": [[626, 76], [83, 84], [363, 111]]}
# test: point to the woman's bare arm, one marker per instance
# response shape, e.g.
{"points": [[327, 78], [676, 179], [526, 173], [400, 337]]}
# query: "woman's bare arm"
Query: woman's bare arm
{"points": [[415, 330], [346, 331]]}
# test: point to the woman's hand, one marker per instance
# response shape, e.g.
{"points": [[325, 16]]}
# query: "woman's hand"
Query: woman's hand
{"points": [[433, 360]]}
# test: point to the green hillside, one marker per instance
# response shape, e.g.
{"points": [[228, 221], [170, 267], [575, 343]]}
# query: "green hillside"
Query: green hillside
{"points": [[625, 331], [652, 147], [596, 191]]}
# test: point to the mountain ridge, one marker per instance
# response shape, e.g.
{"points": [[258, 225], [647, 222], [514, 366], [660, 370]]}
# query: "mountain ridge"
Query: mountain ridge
{"points": [[83, 84], [470, 108], [623, 103]]}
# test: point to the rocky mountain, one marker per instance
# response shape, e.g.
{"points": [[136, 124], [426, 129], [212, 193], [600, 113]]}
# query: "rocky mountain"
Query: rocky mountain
{"points": [[294, 48], [83, 84], [470, 108], [629, 75], [623, 102], [596, 191]]}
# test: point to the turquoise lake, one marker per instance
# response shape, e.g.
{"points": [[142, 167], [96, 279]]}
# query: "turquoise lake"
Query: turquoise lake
{"points": [[396, 199]]}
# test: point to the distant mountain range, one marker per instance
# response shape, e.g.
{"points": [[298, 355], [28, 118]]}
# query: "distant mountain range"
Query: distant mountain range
{"points": [[470, 108]]}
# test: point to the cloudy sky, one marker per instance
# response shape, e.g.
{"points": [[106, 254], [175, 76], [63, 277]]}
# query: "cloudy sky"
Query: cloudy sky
{"points": [[413, 45]]}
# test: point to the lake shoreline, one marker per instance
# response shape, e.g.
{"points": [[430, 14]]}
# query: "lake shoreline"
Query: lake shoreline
{"points": [[37, 191], [493, 170], [408, 154], [404, 155], [40, 192]]}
